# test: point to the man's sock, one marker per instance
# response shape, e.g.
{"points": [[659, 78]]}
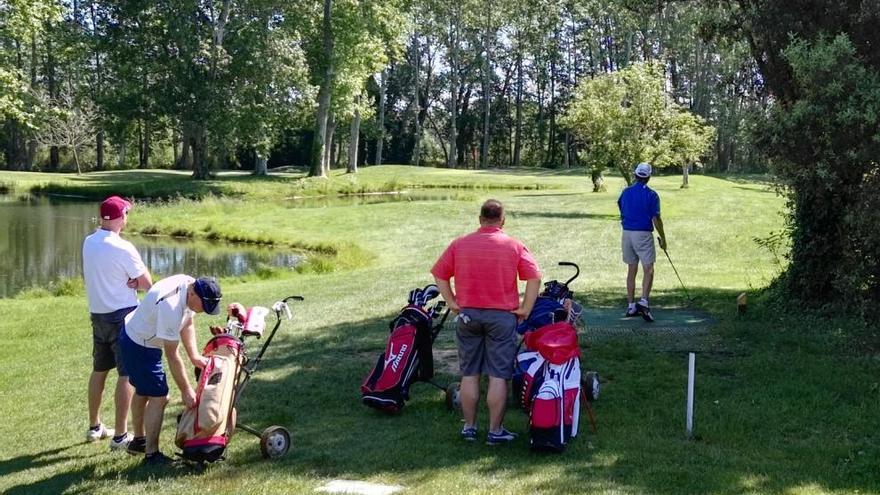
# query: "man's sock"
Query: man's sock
{"points": [[631, 306], [119, 438], [644, 302], [96, 427]]}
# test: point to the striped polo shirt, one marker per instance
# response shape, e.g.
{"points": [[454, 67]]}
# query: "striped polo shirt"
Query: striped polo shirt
{"points": [[485, 266]]}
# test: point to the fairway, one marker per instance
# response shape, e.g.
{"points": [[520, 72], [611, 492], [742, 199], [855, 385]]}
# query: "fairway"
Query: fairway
{"points": [[784, 404]]}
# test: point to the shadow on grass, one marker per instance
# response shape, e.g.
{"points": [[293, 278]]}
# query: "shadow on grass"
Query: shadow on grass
{"points": [[564, 215], [761, 378], [31, 461], [551, 195], [61, 482], [752, 179], [783, 404], [766, 190]]}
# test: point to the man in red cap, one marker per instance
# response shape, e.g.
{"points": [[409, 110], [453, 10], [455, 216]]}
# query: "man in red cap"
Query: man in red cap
{"points": [[113, 272]]}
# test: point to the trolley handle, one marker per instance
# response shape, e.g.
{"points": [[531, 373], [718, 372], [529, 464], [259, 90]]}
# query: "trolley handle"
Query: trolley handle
{"points": [[576, 272], [282, 306]]}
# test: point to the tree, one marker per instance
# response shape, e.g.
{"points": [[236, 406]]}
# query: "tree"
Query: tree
{"points": [[626, 117], [69, 124], [820, 134], [824, 146], [23, 32]]}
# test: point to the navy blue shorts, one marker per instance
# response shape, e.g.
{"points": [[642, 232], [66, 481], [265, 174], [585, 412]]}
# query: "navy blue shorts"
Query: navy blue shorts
{"points": [[144, 366]]}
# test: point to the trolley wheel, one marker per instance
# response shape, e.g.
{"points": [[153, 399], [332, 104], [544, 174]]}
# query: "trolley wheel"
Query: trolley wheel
{"points": [[453, 396], [274, 442], [590, 385]]}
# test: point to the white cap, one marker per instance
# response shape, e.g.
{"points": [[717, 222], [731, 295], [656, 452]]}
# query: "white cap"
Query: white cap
{"points": [[643, 170]]}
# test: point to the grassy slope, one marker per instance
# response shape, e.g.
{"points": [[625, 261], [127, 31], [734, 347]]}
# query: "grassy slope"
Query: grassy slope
{"points": [[784, 404]]}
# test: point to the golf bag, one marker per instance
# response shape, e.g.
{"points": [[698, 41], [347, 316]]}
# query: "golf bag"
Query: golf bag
{"points": [[551, 385], [555, 303], [408, 355], [203, 431]]}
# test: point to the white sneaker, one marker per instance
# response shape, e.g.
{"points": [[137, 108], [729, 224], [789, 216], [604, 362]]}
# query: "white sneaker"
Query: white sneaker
{"points": [[121, 444], [99, 434]]}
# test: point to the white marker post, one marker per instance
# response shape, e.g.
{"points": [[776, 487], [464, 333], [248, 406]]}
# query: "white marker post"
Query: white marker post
{"points": [[689, 414]]}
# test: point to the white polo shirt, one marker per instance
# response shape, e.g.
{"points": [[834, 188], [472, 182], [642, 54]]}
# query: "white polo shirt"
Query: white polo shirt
{"points": [[108, 262], [161, 314]]}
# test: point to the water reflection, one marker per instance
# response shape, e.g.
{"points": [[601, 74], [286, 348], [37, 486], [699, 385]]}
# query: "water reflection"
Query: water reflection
{"points": [[43, 243], [165, 256]]}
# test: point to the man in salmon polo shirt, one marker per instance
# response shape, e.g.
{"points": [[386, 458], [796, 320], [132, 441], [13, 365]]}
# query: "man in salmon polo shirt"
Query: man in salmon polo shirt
{"points": [[486, 265]]}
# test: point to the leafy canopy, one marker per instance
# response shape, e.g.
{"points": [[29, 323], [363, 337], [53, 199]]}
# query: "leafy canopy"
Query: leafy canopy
{"points": [[626, 117]]}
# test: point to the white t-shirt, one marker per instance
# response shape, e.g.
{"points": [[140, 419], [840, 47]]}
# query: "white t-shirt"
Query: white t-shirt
{"points": [[161, 314], [108, 262]]}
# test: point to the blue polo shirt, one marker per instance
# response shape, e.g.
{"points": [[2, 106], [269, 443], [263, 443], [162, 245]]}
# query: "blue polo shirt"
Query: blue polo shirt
{"points": [[638, 205]]}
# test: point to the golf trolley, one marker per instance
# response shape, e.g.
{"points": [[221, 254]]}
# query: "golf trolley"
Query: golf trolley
{"points": [[274, 440], [222, 382]]}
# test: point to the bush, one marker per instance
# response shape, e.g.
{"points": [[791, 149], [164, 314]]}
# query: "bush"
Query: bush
{"points": [[824, 147]]}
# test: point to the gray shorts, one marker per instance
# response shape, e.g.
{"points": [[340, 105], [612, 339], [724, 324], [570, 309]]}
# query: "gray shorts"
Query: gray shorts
{"points": [[105, 332], [638, 245], [486, 342]]}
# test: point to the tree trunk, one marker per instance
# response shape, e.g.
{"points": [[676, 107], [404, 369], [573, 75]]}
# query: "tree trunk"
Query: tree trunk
{"points": [[465, 131], [487, 89], [328, 148], [184, 161], [380, 115], [99, 151], [439, 138], [567, 149], [76, 160], [261, 164], [318, 143], [148, 132], [417, 127], [198, 143], [174, 151], [551, 138], [452, 157], [598, 180], [517, 139], [625, 173], [140, 133], [353, 142], [54, 157], [685, 169]]}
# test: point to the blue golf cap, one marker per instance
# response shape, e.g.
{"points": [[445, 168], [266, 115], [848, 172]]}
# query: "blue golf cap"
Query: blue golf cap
{"points": [[208, 291]]}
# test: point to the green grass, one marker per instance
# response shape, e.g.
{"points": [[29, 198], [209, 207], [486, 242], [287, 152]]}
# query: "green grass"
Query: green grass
{"points": [[785, 404], [169, 184]]}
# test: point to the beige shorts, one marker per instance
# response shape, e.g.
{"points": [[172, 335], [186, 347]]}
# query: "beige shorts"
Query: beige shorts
{"points": [[638, 245]]}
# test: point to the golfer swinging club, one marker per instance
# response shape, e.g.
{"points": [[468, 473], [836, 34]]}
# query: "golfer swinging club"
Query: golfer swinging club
{"points": [[639, 214]]}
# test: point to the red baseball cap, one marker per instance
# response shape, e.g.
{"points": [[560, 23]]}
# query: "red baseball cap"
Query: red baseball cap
{"points": [[114, 207]]}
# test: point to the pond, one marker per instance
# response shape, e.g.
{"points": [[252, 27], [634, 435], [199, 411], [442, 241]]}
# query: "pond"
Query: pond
{"points": [[43, 243]]}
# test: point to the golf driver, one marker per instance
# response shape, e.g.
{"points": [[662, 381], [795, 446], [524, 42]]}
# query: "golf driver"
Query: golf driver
{"points": [[686, 293]]}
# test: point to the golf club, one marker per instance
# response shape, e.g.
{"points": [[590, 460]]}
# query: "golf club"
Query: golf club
{"points": [[686, 293]]}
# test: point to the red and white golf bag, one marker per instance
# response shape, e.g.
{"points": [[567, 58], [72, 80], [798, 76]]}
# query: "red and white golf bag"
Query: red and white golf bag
{"points": [[551, 388]]}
